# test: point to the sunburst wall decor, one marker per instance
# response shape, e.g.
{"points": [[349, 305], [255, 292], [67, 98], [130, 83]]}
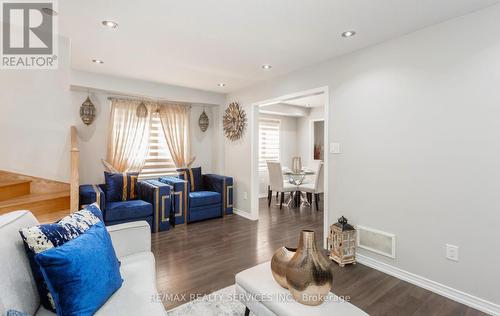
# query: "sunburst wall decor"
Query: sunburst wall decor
{"points": [[235, 121]]}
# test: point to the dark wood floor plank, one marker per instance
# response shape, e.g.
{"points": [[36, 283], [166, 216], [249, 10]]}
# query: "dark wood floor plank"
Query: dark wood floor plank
{"points": [[203, 257]]}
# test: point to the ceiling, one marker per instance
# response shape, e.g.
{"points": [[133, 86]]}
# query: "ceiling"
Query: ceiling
{"points": [[310, 101], [202, 43]]}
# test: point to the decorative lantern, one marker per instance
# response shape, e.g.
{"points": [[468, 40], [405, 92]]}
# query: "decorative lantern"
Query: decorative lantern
{"points": [[342, 242], [87, 111], [296, 164], [203, 122], [142, 110]]}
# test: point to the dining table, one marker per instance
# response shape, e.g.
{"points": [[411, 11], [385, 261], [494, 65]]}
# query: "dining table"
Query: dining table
{"points": [[297, 177]]}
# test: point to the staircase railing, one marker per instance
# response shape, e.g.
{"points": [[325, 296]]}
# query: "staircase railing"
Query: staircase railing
{"points": [[75, 176]]}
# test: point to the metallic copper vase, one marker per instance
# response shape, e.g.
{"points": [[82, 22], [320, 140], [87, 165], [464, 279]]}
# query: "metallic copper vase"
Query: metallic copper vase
{"points": [[308, 273], [279, 264]]}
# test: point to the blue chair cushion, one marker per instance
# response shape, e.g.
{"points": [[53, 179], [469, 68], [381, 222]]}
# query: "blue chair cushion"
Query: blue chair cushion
{"points": [[125, 210], [83, 273], [204, 212], [121, 186], [193, 177], [41, 238], [202, 198]]}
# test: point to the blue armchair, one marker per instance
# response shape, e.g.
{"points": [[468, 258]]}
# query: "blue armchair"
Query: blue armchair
{"points": [[200, 196], [153, 204]]}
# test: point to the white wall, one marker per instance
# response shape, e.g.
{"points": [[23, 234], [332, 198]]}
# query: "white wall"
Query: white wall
{"points": [[288, 146], [206, 146], [35, 119], [417, 118]]}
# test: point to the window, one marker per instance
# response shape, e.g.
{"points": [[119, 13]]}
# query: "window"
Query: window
{"points": [[269, 141], [159, 162]]}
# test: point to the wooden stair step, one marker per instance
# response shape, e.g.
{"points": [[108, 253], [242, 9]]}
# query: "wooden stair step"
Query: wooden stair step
{"points": [[11, 188], [37, 203], [52, 217]]}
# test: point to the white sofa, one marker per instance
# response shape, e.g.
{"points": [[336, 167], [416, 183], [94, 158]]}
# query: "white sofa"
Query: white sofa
{"points": [[132, 243]]}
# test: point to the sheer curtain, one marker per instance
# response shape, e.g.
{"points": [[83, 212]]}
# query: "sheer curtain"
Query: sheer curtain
{"points": [[175, 122], [128, 138]]}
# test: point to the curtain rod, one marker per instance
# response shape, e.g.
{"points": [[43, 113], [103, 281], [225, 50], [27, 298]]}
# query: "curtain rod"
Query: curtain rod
{"points": [[152, 100], [135, 96]]}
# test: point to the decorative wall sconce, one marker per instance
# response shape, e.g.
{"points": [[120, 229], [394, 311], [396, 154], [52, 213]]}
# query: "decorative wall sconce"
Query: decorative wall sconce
{"points": [[87, 111], [203, 121], [142, 110]]}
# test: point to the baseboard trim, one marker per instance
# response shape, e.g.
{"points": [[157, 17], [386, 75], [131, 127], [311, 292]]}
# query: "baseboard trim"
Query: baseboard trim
{"points": [[244, 214], [262, 195], [441, 289]]}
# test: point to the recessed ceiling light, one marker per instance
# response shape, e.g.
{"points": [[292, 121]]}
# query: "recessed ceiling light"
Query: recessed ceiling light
{"points": [[49, 11], [348, 34], [97, 61], [267, 66], [110, 24], [221, 84]]}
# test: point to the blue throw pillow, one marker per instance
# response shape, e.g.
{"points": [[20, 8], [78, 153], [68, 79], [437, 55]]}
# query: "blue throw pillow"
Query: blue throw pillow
{"points": [[40, 238], [83, 273], [121, 186]]}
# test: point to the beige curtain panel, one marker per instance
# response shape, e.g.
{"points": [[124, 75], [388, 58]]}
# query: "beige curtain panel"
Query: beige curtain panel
{"points": [[128, 139], [175, 123]]}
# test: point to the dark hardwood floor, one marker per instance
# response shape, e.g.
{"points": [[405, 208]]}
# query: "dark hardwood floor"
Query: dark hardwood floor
{"points": [[203, 257]]}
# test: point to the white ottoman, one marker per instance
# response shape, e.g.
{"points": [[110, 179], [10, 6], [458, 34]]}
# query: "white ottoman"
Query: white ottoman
{"points": [[260, 293]]}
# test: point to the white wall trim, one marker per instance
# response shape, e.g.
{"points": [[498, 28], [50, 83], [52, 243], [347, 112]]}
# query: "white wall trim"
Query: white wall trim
{"points": [[326, 164], [441, 289], [244, 214]]}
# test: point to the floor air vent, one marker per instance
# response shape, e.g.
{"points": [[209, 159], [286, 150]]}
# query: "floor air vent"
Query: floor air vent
{"points": [[377, 241]]}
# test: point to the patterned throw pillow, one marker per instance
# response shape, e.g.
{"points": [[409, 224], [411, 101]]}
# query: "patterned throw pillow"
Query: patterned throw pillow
{"points": [[12, 312], [193, 177], [121, 186], [47, 236]]}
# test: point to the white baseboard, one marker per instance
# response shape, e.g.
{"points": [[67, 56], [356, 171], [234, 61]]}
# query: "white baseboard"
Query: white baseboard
{"points": [[262, 195], [244, 214], [441, 289]]}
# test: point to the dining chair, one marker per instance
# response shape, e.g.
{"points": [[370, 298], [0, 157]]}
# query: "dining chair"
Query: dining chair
{"points": [[316, 187], [314, 165], [276, 182]]}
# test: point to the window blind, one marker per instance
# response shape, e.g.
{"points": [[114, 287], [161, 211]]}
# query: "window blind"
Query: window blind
{"points": [[158, 162], [269, 141]]}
